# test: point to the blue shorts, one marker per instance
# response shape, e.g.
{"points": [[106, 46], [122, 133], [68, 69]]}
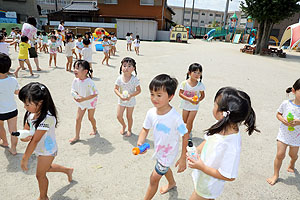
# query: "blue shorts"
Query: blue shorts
{"points": [[160, 169]]}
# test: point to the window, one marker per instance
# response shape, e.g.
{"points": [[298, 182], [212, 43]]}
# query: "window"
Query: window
{"points": [[203, 14], [111, 1], [211, 14], [218, 15], [202, 22], [196, 13], [195, 20], [209, 22], [186, 20], [147, 2]]}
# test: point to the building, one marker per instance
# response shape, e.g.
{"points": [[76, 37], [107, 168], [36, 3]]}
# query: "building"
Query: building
{"points": [[23, 8], [49, 6]]}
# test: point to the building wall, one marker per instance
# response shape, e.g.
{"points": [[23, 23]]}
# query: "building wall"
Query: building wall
{"points": [[23, 8], [280, 27], [49, 6]]}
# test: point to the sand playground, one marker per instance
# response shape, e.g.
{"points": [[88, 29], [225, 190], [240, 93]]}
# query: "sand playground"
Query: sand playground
{"points": [[105, 168]]}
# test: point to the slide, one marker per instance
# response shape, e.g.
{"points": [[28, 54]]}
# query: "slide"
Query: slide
{"points": [[251, 40]]}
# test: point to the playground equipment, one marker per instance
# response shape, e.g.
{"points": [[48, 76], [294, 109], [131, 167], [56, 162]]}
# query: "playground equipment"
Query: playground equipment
{"points": [[208, 36], [291, 32], [252, 37], [97, 35], [179, 34], [140, 149], [232, 27], [248, 49], [248, 33], [275, 39]]}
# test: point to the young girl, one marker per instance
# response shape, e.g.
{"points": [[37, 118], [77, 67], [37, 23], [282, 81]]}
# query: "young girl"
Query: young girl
{"points": [[41, 119], [39, 40], [69, 50], [188, 90], [137, 45], [114, 42], [129, 41], [289, 132], [106, 46], [53, 48], [8, 107], [220, 151], [127, 86], [79, 45], [59, 40], [85, 94], [45, 42]]}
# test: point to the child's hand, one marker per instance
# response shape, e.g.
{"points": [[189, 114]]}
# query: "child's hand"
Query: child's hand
{"points": [[181, 163], [285, 122], [80, 99], [295, 122], [24, 164], [27, 139], [195, 164]]}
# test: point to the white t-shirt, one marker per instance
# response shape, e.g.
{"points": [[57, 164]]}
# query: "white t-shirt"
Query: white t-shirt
{"points": [[4, 48], [8, 86], [79, 45], [53, 47], [130, 86], [85, 88], [167, 130], [87, 54], [105, 48], [114, 40], [61, 27], [68, 48], [13, 35], [136, 43], [222, 153], [128, 38], [289, 137], [190, 91], [47, 145]]}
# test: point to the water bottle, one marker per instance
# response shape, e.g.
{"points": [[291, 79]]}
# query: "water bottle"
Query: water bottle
{"points": [[21, 134], [75, 95], [125, 94], [192, 151], [140, 149]]}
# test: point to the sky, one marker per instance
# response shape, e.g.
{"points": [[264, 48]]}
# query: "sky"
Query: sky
{"points": [[207, 4]]}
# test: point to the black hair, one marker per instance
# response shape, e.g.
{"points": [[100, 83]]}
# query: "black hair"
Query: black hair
{"points": [[44, 33], [79, 36], [84, 65], [24, 38], [12, 28], [109, 37], [38, 32], [105, 37], [138, 38], [164, 82], [1, 37], [61, 22], [31, 20], [58, 30], [3, 29], [130, 61], [237, 106], [68, 37], [5, 63], [112, 33], [128, 34], [296, 86], [36, 92], [86, 41], [53, 37], [53, 31], [194, 67]]}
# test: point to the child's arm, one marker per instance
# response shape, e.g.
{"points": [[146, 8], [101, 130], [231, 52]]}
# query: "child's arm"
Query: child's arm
{"points": [[202, 96], [118, 93], [283, 120], [142, 137], [30, 148], [17, 92], [182, 160], [137, 91], [185, 97], [200, 147], [81, 99]]}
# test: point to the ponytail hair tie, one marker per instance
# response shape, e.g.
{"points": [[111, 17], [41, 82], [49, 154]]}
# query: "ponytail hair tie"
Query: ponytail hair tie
{"points": [[226, 113]]}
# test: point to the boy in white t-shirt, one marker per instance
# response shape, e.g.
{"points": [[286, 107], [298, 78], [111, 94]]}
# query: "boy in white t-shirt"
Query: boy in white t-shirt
{"points": [[4, 45], [87, 53], [167, 126], [79, 45], [8, 107]]}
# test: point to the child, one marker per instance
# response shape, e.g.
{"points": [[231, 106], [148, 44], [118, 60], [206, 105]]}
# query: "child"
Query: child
{"points": [[188, 89], [13, 34], [288, 136], [18, 38], [69, 47], [8, 107], [59, 40], [127, 86], [53, 48], [114, 42], [23, 55], [41, 120], [85, 94], [167, 127], [87, 54], [79, 45], [106, 46], [39, 40], [129, 41], [220, 151], [137, 45], [4, 45], [45, 42]]}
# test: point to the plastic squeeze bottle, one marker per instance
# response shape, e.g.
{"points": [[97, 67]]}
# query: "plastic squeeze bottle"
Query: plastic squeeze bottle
{"points": [[290, 118], [192, 151], [140, 149], [21, 134]]}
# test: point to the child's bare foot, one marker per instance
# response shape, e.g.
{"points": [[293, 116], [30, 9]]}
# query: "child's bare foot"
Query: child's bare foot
{"points": [[94, 132], [2, 144], [272, 180], [46, 198], [73, 140], [70, 172], [128, 133], [291, 168], [122, 131], [12, 151], [39, 69], [166, 188]]}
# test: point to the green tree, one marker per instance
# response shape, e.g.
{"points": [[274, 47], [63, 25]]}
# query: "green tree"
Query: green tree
{"points": [[267, 13]]}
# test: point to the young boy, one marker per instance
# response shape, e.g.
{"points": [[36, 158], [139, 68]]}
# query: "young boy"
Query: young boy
{"points": [[8, 107], [87, 53], [168, 127], [59, 40], [23, 55], [79, 45], [4, 45]]}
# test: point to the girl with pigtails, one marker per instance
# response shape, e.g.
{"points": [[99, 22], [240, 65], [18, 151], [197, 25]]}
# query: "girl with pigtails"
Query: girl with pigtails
{"points": [[220, 151]]}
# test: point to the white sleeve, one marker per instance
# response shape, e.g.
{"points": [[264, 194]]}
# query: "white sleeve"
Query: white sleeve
{"points": [[148, 120], [93, 89], [46, 123], [74, 89], [202, 87], [136, 82], [282, 107], [181, 128], [118, 81], [182, 85], [17, 87], [230, 163]]}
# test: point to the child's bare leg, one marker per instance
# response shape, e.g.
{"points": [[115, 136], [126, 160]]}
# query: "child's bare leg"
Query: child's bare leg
{"points": [[91, 66], [12, 127], [80, 56], [62, 169], [195, 196], [37, 64], [120, 111], [54, 57], [43, 165], [129, 111], [153, 186], [91, 113], [3, 135], [293, 153], [190, 121], [79, 117], [29, 66], [171, 182], [50, 60], [281, 149], [21, 63], [107, 57]]}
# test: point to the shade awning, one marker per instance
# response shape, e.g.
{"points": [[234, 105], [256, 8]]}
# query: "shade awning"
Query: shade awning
{"points": [[291, 32]]}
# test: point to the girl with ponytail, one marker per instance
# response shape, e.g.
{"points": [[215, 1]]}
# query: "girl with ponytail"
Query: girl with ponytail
{"points": [[289, 132], [220, 151]]}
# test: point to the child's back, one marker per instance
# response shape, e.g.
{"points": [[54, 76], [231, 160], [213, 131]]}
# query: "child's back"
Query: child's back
{"points": [[87, 54], [23, 53]]}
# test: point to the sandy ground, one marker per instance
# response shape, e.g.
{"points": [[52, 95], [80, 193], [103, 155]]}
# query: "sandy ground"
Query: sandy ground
{"points": [[104, 166]]}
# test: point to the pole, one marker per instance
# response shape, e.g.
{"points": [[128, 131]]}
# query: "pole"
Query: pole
{"points": [[184, 12], [55, 5], [162, 14], [192, 15], [225, 14]]}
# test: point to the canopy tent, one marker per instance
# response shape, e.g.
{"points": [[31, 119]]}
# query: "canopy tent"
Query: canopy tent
{"points": [[291, 32]]}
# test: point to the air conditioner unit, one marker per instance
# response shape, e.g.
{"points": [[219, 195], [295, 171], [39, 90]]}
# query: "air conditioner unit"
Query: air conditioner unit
{"points": [[95, 3]]}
